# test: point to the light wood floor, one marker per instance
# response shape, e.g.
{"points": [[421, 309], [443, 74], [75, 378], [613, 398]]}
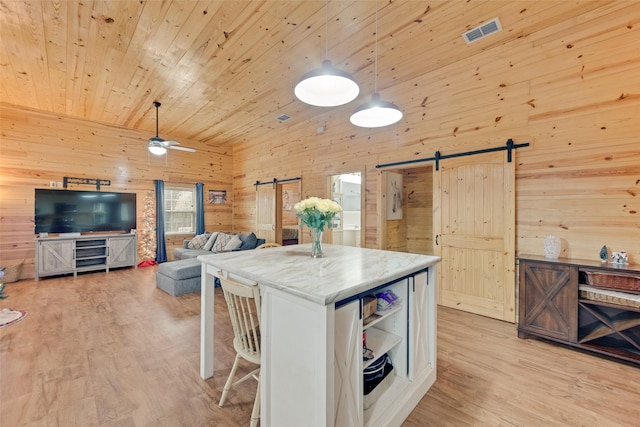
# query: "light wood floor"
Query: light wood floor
{"points": [[109, 349]]}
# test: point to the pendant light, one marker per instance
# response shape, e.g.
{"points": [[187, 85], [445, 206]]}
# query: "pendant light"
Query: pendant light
{"points": [[326, 86], [376, 113]]}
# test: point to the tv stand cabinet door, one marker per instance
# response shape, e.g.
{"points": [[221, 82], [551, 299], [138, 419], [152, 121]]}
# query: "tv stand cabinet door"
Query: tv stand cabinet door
{"points": [[54, 257], [123, 251]]}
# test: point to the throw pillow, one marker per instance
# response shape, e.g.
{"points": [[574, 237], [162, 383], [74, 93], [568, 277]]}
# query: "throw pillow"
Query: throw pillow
{"points": [[221, 242], [198, 241], [234, 243], [249, 242], [211, 241]]}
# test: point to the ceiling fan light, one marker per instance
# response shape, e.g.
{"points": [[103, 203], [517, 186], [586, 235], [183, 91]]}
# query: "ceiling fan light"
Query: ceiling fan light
{"points": [[158, 151], [376, 113], [326, 86]]}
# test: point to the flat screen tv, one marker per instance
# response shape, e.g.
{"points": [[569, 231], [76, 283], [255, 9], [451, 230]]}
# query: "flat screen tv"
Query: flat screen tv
{"points": [[74, 211]]}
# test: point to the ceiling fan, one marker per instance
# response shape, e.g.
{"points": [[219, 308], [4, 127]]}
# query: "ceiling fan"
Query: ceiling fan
{"points": [[158, 146]]}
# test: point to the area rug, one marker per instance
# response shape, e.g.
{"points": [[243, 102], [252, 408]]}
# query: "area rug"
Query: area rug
{"points": [[9, 316]]}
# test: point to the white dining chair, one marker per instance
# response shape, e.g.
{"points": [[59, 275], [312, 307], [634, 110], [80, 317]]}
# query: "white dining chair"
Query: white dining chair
{"points": [[244, 310]]}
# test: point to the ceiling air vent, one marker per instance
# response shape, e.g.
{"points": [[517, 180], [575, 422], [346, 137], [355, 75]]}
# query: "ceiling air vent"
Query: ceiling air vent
{"points": [[482, 31], [283, 117]]}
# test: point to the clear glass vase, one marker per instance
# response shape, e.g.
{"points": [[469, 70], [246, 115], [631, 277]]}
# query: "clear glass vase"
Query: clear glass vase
{"points": [[316, 243]]}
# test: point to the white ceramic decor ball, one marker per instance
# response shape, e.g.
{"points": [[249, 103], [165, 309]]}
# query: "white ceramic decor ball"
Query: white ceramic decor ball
{"points": [[552, 247]]}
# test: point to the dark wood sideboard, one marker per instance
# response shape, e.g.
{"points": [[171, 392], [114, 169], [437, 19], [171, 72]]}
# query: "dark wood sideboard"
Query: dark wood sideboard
{"points": [[551, 306]]}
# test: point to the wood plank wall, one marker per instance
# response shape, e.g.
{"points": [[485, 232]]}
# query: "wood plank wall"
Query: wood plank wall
{"points": [[572, 91], [414, 232], [289, 215], [419, 207], [37, 148], [396, 234]]}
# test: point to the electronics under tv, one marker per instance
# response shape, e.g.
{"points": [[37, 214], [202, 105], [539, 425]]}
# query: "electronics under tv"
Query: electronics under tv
{"points": [[77, 212]]}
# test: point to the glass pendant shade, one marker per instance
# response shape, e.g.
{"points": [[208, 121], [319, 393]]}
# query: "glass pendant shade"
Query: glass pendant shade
{"points": [[326, 87], [376, 113], [158, 151]]}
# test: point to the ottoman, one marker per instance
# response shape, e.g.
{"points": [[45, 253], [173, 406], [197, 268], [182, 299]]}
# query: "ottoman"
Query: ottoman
{"points": [[179, 277]]}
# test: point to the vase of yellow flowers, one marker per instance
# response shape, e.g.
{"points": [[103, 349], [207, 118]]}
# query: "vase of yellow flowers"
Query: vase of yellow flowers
{"points": [[316, 214]]}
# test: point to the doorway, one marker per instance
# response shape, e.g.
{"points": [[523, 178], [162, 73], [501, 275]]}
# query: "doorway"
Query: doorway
{"points": [[276, 219], [407, 217], [290, 222], [269, 212], [346, 190], [464, 213]]}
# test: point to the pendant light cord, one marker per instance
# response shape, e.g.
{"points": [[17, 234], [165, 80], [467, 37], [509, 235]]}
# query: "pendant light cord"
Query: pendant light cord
{"points": [[326, 29], [375, 72]]}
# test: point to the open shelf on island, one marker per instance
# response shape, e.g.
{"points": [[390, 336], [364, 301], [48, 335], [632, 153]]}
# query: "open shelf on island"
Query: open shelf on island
{"points": [[379, 342], [380, 315]]}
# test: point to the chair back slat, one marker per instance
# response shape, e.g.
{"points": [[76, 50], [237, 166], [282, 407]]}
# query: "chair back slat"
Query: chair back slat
{"points": [[243, 302]]}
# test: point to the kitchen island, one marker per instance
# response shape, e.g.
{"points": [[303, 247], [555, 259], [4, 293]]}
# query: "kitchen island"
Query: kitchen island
{"points": [[312, 331]]}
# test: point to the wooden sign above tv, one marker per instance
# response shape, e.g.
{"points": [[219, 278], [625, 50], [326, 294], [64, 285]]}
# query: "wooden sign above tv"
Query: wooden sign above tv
{"points": [[85, 181]]}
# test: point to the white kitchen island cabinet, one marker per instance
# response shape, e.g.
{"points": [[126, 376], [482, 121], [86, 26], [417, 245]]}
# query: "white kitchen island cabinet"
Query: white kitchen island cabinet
{"points": [[312, 331]]}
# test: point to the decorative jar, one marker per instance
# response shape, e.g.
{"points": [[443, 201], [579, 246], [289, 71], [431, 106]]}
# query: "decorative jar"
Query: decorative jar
{"points": [[552, 247]]}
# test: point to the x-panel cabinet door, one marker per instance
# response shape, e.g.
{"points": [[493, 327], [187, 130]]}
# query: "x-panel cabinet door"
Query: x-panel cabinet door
{"points": [[348, 365], [423, 353]]}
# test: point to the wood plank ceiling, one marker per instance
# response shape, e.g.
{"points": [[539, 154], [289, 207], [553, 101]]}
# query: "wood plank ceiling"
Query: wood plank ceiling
{"points": [[225, 70]]}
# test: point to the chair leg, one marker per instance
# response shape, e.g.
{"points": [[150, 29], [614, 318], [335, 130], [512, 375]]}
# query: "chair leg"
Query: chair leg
{"points": [[255, 414], [229, 383]]}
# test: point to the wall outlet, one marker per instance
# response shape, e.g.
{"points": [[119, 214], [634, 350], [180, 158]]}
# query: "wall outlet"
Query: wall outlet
{"points": [[52, 183], [59, 184]]}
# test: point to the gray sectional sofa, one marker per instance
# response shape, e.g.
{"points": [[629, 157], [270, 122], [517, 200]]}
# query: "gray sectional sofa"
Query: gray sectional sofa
{"points": [[216, 242], [182, 275]]}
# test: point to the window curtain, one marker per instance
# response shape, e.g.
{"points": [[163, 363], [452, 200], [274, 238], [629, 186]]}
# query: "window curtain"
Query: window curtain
{"points": [[199, 208], [161, 244]]}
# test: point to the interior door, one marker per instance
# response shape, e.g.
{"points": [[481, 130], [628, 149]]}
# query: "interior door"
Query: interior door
{"points": [[269, 212], [474, 227]]}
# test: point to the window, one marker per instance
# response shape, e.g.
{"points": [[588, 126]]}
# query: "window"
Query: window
{"points": [[179, 210]]}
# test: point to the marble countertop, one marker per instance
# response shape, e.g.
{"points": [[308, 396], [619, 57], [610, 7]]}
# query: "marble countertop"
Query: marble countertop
{"points": [[343, 272]]}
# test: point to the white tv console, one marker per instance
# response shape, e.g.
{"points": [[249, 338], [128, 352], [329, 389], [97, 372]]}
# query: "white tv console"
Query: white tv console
{"points": [[71, 254]]}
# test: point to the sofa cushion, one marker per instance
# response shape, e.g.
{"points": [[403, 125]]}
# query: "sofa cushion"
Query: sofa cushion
{"points": [[248, 241], [179, 277], [233, 244], [182, 269], [178, 287], [180, 253], [221, 242], [211, 241], [198, 241]]}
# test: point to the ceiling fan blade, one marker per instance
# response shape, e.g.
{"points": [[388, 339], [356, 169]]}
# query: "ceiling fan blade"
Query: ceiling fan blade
{"points": [[175, 147]]}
